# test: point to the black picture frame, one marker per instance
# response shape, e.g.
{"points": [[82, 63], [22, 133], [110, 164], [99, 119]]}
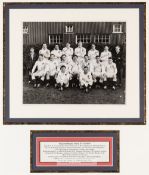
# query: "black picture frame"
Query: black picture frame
{"points": [[7, 119]]}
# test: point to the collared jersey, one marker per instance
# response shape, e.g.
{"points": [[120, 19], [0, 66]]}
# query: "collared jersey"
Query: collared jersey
{"points": [[89, 64], [93, 53], [40, 65], [98, 68], [62, 77], [105, 55], [86, 77], [45, 53], [57, 53], [51, 66], [80, 51], [75, 67], [68, 66], [67, 51], [111, 69]]}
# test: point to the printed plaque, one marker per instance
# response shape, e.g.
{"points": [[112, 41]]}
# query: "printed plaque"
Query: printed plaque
{"points": [[75, 151]]}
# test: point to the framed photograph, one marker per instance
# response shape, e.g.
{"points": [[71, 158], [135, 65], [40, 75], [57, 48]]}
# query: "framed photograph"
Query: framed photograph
{"points": [[74, 151], [74, 63]]}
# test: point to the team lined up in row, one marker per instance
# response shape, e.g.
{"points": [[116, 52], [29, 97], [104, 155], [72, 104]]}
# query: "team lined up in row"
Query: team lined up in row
{"points": [[68, 67]]}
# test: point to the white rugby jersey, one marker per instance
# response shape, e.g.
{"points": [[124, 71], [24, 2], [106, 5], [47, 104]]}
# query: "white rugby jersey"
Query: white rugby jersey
{"points": [[89, 64], [57, 53], [98, 68], [105, 55], [40, 65], [111, 69], [75, 67], [68, 66], [67, 51], [62, 77], [51, 66], [80, 51], [93, 53], [45, 53], [86, 77]]}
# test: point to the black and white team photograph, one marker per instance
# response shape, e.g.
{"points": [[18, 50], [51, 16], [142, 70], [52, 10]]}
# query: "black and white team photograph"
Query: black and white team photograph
{"points": [[74, 62]]}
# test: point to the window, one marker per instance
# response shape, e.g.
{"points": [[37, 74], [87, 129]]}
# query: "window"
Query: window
{"points": [[117, 28], [84, 38], [53, 39], [102, 39], [25, 30], [69, 29]]}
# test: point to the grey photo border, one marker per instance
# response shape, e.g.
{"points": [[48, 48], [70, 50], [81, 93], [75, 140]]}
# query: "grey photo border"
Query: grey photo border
{"points": [[75, 133], [83, 121]]}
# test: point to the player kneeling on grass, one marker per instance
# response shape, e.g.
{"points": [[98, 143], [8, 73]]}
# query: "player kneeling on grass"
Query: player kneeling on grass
{"points": [[51, 70], [38, 71], [98, 71], [74, 72], [62, 78], [86, 80], [110, 74]]}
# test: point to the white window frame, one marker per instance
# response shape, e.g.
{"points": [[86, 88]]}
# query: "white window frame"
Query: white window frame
{"points": [[25, 30], [52, 39], [84, 38], [102, 37], [115, 29], [69, 29]]}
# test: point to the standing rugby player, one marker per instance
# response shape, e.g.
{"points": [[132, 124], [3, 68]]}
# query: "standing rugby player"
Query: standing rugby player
{"points": [[57, 53], [80, 51], [105, 55], [68, 51], [92, 53]]}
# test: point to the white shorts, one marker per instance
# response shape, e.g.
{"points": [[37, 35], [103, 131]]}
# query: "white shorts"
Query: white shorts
{"points": [[62, 81], [86, 83], [40, 73]]}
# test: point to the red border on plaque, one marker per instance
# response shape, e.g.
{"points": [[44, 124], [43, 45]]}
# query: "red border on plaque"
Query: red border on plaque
{"points": [[74, 139]]}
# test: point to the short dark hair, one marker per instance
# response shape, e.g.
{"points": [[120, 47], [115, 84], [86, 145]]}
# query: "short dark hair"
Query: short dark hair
{"points": [[62, 66], [52, 54], [63, 55], [74, 56]]}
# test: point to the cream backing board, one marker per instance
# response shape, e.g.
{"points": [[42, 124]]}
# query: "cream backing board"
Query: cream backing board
{"points": [[127, 110]]}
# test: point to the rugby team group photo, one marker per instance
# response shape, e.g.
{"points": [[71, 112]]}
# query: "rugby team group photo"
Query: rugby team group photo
{"points": [[73, 62], [74, 68]]}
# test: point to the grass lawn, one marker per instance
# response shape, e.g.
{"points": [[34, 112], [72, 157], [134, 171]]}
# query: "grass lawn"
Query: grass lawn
{"points": [[51, 95]]}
